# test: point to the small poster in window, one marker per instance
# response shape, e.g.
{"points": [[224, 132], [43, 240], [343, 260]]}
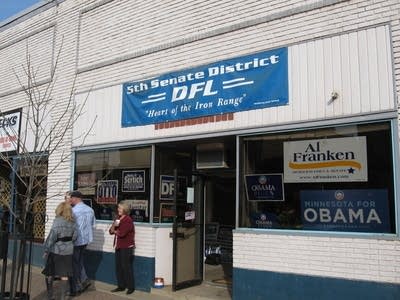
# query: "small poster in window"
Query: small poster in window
{"points": [[167, 212], [139, 205], [264, 187], [190, 195], [87, 183], [107, 191], [190, 215], [138, 215], [168, 189], [105, 213], [264, 220], [133, 181]]}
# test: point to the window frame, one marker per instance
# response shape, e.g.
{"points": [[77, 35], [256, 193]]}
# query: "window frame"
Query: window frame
{"points": [[120, 169], [395, 165]]}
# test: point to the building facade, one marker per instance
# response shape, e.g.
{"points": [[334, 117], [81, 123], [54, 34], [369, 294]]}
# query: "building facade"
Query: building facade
{"points": [[260, 137]]}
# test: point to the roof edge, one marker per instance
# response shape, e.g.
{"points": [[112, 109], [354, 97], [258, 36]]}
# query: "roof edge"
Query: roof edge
{"points": [[28, 13]]}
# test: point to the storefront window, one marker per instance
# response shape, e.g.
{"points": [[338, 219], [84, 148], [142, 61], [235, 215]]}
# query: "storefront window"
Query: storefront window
{"points": [[110, 176], [330, 179]]}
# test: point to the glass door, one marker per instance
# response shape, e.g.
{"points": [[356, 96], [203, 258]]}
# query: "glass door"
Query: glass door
{"points": [[188, 231]]}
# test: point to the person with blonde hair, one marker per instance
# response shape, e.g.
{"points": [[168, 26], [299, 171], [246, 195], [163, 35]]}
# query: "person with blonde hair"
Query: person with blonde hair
{"points": [[124, 243], [58, 249]]}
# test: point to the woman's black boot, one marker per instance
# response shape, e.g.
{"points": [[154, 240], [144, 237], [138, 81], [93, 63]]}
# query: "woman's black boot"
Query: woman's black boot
{"points": [[63, 290], [49, 287]]}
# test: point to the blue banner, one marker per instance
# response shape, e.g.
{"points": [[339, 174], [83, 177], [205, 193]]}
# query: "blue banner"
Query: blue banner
{"points": [[249, 82], [346, 210], [264, 187]]}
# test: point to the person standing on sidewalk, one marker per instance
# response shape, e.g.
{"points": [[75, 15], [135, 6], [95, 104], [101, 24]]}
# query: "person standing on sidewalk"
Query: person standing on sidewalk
{"points": [[85, 221], [58, 249], [124, 244]]}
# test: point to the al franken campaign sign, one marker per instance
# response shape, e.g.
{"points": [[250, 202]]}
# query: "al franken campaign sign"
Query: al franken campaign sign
{"points": [[326, 160], [364, 210], [249, 82]]}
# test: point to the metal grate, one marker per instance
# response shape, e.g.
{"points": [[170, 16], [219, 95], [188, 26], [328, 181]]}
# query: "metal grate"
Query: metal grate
{"points": [[39, 220], [5, 192]]}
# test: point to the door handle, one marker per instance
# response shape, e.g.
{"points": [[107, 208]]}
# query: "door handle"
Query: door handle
{"points": [[178, 235]]}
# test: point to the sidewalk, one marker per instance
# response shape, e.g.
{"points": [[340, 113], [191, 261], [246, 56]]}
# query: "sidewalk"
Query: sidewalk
{"points": [[101, 291], [96, 291]]}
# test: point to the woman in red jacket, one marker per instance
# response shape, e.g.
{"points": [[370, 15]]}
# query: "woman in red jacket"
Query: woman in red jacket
{"points": [[124, 243]]}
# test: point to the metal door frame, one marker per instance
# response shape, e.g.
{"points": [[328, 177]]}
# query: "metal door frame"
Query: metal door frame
{"points": [[175, 235]]}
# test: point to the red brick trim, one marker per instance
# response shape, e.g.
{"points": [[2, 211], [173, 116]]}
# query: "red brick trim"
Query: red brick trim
{"points": [[195, 121]]}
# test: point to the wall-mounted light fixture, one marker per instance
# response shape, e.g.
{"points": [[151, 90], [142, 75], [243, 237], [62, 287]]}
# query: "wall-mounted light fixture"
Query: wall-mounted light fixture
{"points": [[334, 96]]}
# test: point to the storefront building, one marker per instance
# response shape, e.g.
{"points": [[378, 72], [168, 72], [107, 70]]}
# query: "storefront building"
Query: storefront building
{"points": [[257, 142]]}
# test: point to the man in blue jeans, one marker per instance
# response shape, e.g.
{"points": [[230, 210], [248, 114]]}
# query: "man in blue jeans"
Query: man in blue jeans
{"points": [[85, 221]]}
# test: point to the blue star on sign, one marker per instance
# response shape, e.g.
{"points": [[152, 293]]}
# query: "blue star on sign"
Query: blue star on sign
{"points": [[351, 171]]}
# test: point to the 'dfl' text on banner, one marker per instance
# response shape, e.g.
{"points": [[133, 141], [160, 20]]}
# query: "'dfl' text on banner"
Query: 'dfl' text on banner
{"points": [[245, 83]]}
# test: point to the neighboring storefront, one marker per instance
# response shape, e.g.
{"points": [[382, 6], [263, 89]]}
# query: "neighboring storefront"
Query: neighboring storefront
{"points": [[269, 164], [15, 162]]}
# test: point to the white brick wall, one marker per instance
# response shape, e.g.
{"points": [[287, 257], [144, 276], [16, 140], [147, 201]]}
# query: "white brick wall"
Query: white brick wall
{"points": [[144, 238], [131, 28], [350, 258], [164, 36], [40, 48]]}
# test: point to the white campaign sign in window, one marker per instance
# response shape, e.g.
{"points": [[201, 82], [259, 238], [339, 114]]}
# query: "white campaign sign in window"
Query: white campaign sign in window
{"points": [[326, 160]]}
